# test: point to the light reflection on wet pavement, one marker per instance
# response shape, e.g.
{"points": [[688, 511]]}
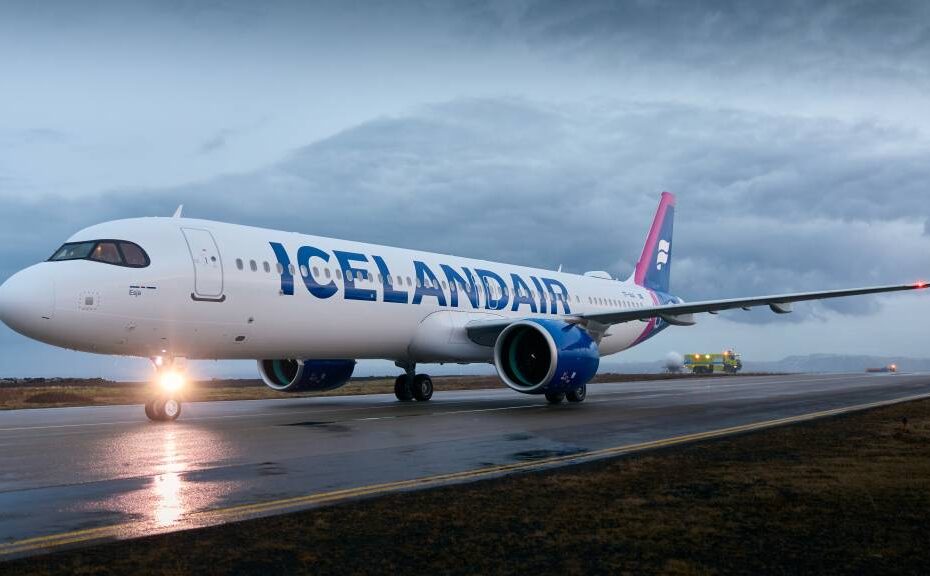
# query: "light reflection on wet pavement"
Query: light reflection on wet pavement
{"points": [[77, 468]]}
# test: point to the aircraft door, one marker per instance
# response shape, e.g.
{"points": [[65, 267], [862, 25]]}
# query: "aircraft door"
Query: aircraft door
{"points": [[208, 268]]}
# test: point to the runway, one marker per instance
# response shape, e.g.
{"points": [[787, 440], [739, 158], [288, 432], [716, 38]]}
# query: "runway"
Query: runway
{"points": [[70, 476]]}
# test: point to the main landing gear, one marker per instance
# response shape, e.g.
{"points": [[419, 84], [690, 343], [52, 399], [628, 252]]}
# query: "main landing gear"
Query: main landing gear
{"points": [[576, 395], [412, 386]]}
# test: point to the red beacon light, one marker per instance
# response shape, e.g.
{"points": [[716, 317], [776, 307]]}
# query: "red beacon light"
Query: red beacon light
{"points": [[920, 284]]}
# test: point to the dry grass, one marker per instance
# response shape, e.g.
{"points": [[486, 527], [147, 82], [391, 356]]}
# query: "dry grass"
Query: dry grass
{"points": [[848, 495], [96, 392]]}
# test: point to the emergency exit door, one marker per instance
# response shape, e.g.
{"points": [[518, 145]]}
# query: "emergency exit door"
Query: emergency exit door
{"points": [[208, 268]]}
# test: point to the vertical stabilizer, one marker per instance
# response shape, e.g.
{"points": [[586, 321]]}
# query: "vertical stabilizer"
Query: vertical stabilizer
{"points": [[655, 263]]}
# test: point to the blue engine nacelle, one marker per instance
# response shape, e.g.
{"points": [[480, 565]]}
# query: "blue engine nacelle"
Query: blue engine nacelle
{"points": [[537, 355], [305, 375]]}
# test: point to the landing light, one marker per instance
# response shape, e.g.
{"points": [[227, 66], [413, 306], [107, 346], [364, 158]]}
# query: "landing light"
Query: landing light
{"points": [[171, 381]]}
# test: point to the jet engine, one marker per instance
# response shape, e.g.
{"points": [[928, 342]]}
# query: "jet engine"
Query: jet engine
{"points": [[305, 375], [538, 356]]}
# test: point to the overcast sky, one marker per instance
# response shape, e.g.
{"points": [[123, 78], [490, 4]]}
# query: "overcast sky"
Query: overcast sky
{"points": [[795, 134]]}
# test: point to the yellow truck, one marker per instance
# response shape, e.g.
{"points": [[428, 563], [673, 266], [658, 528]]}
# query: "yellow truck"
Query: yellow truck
{"points": [[727, 362]]}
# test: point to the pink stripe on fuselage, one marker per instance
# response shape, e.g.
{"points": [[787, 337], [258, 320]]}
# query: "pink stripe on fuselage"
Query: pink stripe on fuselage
{"points": [[651, 325], [645, 260]]}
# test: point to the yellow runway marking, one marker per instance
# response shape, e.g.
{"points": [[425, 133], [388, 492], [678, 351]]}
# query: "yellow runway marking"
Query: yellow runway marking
{"points": [[240, 512]]}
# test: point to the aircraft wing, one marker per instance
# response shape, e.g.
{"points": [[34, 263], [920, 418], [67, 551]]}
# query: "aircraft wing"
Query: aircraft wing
{"points": [[682, 314]]}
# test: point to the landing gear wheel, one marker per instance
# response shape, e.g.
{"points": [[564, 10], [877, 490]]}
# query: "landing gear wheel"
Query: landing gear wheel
{"points": [[402, 388], [422, 387], [170, 409], [578, 394], [555, 397], [163, 409]]}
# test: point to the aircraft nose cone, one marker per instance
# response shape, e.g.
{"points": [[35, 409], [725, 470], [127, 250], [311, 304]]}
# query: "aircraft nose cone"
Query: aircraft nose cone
{"points": [[26, 301]]}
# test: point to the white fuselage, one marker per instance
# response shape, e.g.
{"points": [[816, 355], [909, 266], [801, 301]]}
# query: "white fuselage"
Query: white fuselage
{"points": [[214, 290]]}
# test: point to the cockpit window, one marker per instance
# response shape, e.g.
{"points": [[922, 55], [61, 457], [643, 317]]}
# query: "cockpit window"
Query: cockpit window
{"points": [[74, 251], [117, 252], [133, 255], [106, 252]]}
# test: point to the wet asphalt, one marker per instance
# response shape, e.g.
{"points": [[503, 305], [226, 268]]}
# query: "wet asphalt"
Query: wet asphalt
{"points": [[70, 469]]}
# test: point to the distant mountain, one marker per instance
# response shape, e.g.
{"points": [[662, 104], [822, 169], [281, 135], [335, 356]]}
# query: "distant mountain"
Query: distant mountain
{"points": [[806, 363]]}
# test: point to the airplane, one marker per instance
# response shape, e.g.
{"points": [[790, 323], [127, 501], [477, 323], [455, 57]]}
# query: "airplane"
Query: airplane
{"points": [[306, 308]]}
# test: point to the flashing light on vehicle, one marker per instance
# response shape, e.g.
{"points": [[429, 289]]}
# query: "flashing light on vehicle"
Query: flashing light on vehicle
{"points": [[171, 381], [921, 284]]}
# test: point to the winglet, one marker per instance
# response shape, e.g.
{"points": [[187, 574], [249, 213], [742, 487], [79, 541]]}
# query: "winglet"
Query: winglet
{"points": [[177, 213]]}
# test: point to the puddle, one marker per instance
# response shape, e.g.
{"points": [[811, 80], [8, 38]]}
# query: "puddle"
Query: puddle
{"points": [[328, 426]]}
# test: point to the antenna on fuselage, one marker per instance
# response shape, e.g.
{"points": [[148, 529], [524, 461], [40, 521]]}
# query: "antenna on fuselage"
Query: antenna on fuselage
{"points": [[177, 213], [560, 267]]}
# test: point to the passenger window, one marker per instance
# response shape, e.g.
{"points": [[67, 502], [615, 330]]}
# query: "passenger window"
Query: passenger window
{"points": [[316, 272], [239, 263], [253, 265], [303, 271], [106, 252], [279, 268], [291, 269], [266, 266], [326, 270]]}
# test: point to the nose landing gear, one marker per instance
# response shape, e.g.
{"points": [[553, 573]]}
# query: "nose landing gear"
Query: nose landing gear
{"points": [[163, 409], [165, 402]]}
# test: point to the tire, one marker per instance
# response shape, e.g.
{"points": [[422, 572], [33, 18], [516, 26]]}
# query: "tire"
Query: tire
{"points": [[171, 409], [422, 388], [555, 397], [150, 411], [168, 409], [402, 389], [578, 394]]}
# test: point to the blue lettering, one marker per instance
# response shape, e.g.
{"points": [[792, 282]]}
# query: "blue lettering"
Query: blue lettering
{"points": [[542, 295], [562, 296], [521, 294], [468, 286], [304, 254], [428, 285], [284, 262], [387, 283], [491, 302], [349, 274]]}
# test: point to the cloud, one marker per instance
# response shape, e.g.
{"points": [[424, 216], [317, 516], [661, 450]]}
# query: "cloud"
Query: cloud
{"points": [[885, 38], [216, 142]]}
